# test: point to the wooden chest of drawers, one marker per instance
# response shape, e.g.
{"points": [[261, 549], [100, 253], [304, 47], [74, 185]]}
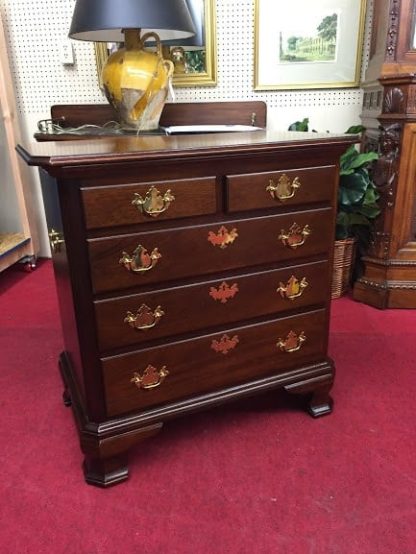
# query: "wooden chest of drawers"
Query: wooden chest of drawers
{"points": [[190, 271]]}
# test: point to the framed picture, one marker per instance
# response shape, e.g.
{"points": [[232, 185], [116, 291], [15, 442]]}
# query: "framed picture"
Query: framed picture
{"points": [[304, 44], [194, 59]]}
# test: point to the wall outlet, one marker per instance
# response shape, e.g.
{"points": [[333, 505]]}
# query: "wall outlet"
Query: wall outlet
{"points": [[67, 53]]}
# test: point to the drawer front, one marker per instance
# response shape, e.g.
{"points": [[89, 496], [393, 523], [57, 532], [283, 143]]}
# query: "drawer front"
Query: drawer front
{"points": [[162, 313], [129, 204], [178, 370], [281, 188], [132, 260]]}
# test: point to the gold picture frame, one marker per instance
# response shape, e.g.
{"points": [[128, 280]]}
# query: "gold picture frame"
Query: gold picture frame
{"points": [[207, 77], [287, 53]]}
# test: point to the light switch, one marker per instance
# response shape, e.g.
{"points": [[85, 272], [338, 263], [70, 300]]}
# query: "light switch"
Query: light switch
{"points": [[67, 52]]}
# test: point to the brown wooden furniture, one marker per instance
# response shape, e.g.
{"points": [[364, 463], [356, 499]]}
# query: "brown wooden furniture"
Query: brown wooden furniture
{"points": [[202, 113], [389, 114], [191, 270]]}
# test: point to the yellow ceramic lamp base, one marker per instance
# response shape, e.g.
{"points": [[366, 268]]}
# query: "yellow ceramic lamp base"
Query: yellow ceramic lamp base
{"points": [[136, 81]]}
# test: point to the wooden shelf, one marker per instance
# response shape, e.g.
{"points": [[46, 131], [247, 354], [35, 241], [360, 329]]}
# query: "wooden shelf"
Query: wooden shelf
{"points": [[11, 241], [13, 247], [22, 245]]}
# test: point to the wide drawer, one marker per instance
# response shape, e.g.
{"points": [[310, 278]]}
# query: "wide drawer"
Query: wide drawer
{"points": [[169, 372], [142, 317], [132, 260], [113, 206], [281, 188]]}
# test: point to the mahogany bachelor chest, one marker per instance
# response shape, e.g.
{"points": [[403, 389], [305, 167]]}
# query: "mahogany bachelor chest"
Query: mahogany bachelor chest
{"points": [[191, 270]]}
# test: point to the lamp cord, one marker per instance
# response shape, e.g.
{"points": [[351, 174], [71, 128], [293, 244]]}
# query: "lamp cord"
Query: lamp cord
{"points": [[52, 127]]}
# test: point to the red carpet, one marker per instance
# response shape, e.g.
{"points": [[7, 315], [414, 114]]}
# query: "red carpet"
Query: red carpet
{"points": [[256, 477]]}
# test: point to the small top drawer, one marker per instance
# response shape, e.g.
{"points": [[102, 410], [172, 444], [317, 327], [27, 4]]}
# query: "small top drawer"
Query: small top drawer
{"points": [[113, 206], [280, 188]]}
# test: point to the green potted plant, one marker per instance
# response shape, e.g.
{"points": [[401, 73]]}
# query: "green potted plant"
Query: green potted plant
{"points": [[356, 211]]}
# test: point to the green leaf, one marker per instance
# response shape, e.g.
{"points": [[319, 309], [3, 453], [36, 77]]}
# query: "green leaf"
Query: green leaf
{"points": [[371, 211], [363, 159], [352, 189], [352, 159], [371, 195], [347, 158], [355, 130], [300, 125]]}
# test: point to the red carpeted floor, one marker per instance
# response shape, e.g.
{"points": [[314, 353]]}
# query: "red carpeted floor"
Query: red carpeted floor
{"points": [[255, 477]]}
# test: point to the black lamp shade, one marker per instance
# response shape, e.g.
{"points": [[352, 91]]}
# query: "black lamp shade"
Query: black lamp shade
{"points": [[196, 9], [104, 20]]}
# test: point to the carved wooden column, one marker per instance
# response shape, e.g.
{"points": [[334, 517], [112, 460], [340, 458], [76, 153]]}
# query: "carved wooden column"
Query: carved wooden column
{"points": [[389, 114]]}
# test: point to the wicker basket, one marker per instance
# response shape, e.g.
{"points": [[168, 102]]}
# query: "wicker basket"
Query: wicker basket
{"points": [[344, 252]]}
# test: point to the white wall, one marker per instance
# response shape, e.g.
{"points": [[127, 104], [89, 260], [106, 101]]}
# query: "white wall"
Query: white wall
{"points": [[9, 207], [35, 32]]}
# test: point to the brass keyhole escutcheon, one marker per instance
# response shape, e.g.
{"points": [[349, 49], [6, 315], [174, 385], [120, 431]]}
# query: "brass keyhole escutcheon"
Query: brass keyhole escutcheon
{"points": [[225, 344], [223, 237], [224, 292]]}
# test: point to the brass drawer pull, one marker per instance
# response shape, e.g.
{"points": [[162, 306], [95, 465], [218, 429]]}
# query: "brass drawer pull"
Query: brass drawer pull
{"points": [[224, 292], [284, 190], [151, 378], [56, 240], [293, 288], [223, 237], [292, 343], [225, 344], [144, 318], [296, 236], [154, 203], [141, 260]]}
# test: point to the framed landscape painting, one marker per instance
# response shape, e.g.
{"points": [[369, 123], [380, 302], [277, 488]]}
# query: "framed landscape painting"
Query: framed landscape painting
{"points": [[304, 44]]}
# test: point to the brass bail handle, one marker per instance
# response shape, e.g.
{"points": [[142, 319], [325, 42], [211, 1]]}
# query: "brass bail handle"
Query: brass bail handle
{"points": [[141, 260], [284, 189], [56, 239], [292, 343], [295, 237], [154, 203], [151, 378]]}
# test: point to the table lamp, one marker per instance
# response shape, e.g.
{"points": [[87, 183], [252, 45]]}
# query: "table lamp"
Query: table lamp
{"points": [[135, 80]]}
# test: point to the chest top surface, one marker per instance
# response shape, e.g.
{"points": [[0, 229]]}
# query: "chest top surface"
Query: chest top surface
{"points": [[51, 155]]}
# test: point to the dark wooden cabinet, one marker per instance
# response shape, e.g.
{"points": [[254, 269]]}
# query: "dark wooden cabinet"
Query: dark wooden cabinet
{"points": [[191, 271], [389, 115]]}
